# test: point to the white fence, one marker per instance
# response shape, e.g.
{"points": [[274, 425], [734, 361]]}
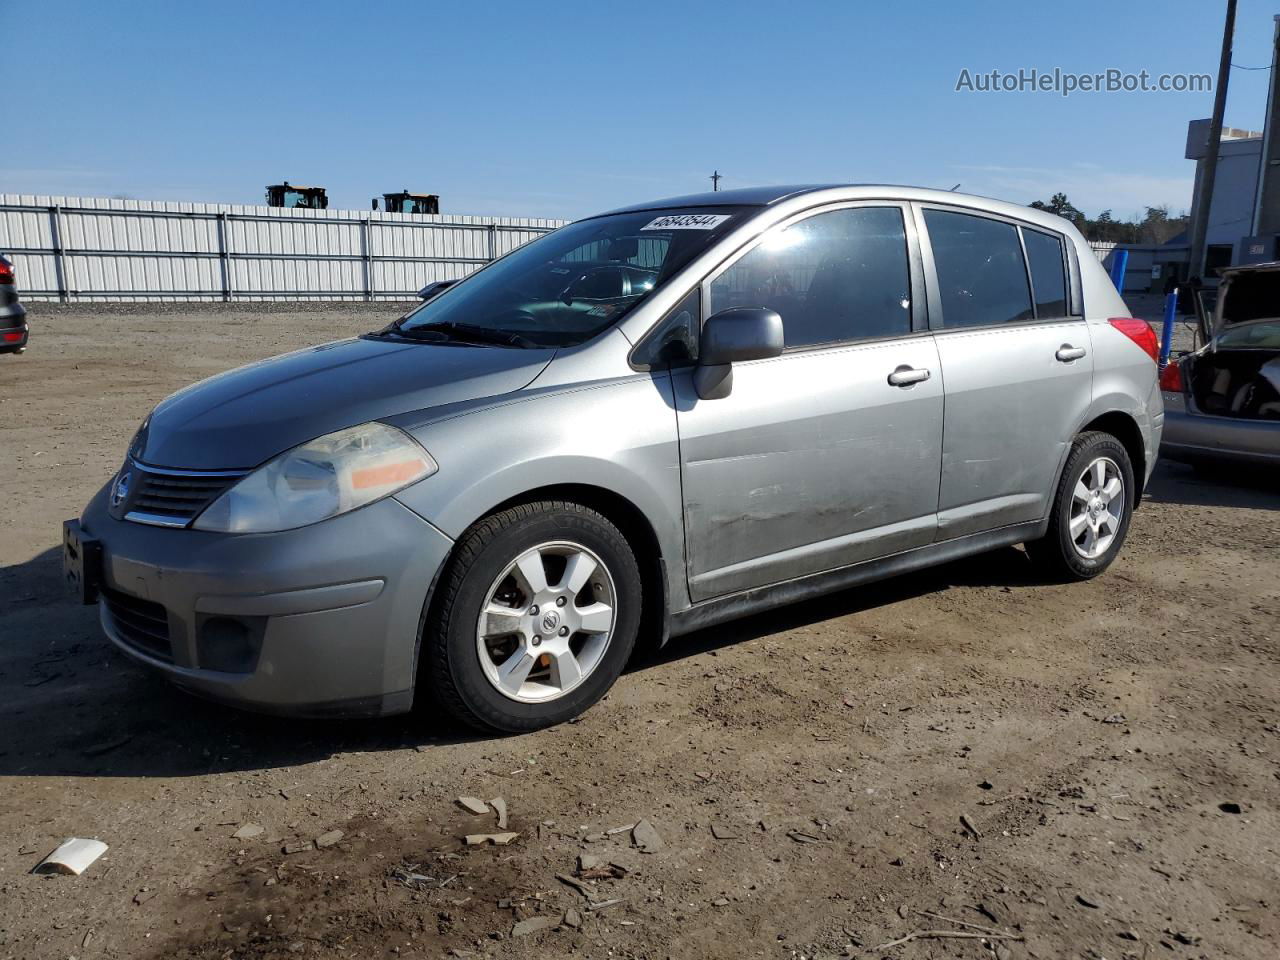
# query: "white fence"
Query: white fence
{"points": [[95, 249]]}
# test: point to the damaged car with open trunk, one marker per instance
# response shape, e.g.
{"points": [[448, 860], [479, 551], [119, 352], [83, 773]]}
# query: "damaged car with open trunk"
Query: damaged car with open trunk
{"points": [[1222, 401]]}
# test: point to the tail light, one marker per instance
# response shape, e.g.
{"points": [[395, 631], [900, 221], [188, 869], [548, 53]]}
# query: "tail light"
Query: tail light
{"points": [[1140, 332], [1171, 378], [6, 273]]}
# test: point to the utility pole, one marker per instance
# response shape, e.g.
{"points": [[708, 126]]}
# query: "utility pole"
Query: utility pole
{"points": [[1266, 213], [715, 180], [1200, 227]]}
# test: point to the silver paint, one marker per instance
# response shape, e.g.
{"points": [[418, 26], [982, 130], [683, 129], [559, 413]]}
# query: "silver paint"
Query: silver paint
{"points": [[817, 469]]}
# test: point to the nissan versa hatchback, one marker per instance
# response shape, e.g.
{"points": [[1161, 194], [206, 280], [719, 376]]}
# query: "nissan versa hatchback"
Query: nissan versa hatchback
{"points": [[641, 424]]}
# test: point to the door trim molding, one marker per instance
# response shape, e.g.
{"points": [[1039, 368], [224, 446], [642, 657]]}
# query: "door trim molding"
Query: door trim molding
{"points": [[722, 609], [822, 553]]}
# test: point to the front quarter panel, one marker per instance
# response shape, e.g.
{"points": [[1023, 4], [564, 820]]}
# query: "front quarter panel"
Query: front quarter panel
{"points": [[619, 436]]}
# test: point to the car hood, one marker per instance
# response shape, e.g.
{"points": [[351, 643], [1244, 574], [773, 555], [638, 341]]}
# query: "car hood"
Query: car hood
{"points": [[241, 418]]}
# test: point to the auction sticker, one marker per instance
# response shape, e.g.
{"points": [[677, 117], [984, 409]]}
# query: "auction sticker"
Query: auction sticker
{"points": [[687, 221]]}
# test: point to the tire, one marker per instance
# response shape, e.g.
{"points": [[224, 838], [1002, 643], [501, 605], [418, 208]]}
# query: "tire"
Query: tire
{"points": [[467, 660], [1062, 555]]}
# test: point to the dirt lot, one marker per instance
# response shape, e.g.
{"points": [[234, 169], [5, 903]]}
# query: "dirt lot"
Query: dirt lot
{"points": [[1051, 762]]}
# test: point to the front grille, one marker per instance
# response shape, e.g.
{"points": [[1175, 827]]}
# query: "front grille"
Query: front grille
{"points": [[139, 623], [172, 496]]}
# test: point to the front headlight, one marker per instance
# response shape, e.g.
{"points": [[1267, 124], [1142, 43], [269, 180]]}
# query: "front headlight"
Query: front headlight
{"points": [[138, 445], [320, 479]]}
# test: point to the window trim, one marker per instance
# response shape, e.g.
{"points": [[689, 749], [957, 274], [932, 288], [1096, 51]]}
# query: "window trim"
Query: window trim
{"points": [[937, 318], [915, 273], [653, 331]]}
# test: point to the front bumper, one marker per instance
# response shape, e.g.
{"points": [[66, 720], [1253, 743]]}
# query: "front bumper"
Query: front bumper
{"points": [[1189, 437], [329, 614]]}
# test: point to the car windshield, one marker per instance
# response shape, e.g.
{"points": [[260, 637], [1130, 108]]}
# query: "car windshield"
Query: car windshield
{"points": [[564, 288]]}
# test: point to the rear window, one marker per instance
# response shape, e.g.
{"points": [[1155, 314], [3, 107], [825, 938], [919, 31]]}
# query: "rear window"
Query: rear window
{"points": [[1255, 336], [982, 277]]}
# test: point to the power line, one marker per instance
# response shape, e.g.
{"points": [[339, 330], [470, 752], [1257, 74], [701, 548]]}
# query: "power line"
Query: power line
{"points": [[1241, 67]]}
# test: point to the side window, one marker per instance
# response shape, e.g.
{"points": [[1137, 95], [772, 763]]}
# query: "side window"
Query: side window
{"points": [[675, 340], [842, 275], [1048, 273], [982, 277]]}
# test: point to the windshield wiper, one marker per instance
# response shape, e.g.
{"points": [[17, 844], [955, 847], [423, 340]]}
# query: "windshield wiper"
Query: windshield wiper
{"points": [[459, 333]]}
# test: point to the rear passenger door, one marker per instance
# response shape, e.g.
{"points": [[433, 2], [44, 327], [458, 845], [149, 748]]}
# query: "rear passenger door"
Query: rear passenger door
{"points": [[1016, 360]]}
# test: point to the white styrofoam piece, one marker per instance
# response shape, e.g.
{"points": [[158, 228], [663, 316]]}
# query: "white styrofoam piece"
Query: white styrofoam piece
{"points": [[73, 856]]}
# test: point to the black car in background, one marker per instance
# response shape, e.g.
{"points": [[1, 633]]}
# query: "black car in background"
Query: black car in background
{"points": [[13, 315]]}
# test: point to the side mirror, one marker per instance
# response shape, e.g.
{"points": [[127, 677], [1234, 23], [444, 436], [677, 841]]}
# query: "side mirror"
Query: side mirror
{"points": [[736, 334], [431, 289]]}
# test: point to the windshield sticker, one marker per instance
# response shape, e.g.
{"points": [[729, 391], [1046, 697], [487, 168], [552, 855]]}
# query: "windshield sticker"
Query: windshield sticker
{"points": [[687, 221]]}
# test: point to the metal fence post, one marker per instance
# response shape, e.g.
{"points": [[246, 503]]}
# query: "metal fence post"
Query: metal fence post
{"points": [[224, 256], [59, 255], [493, 242], [366, 252]]}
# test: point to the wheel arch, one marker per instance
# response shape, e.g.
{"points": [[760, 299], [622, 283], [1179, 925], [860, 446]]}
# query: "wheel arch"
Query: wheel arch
{"points": [[630, 520], [637, 529], [1125, 429]]}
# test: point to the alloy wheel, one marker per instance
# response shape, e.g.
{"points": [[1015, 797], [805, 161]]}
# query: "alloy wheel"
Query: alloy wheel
{"points": [[1097, 508], [547, 621]]}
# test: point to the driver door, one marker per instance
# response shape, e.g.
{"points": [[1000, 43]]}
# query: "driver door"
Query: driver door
{"points": [[829, 454]]}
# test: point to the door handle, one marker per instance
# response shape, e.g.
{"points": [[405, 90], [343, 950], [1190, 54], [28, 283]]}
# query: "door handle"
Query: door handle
{"points": [[905, 376], [1066, 353]]}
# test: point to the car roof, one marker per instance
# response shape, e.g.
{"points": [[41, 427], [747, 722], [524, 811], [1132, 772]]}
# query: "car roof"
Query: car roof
{"points": [[769, 196], [743, 197]]}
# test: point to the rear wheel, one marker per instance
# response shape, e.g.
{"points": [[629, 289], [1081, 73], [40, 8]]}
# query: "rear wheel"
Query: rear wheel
{"points": [[535, 619], [1091, 510]]}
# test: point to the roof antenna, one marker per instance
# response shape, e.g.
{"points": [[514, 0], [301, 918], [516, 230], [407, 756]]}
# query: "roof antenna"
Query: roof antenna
{"points": [[715, 180], [954, 189]]}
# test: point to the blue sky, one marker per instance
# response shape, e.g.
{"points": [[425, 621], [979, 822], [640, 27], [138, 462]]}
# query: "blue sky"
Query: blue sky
{"points": [[565, 108]]}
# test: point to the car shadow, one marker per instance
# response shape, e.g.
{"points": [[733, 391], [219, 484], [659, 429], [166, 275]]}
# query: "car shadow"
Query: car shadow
{"points": [[1006, 567], [1216, 485], [71, 705]]}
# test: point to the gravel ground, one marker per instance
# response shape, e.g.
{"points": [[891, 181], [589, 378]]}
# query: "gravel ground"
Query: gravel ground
{"points": [[1084, 771]]}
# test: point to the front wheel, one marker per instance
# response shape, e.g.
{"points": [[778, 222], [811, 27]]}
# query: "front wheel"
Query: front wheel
{"points": [[536, 616], [1091, 510]]}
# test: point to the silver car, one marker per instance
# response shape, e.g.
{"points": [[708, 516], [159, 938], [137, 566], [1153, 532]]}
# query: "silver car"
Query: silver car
{"points": [[644, 423], [1223, 400]]}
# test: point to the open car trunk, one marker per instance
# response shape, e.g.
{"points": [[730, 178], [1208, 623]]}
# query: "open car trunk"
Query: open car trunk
{"points": [[1237, 372], [1236, 383]]}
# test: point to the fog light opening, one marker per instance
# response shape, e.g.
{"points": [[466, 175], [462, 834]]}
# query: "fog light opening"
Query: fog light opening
{"points": [[228, 645]]}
